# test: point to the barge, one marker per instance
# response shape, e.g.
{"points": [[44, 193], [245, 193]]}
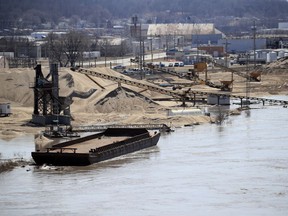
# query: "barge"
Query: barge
{"points": [[111, 143]]}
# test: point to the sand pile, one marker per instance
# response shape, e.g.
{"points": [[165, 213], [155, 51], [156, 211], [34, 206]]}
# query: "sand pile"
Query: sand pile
{"points": [[278, 82], [123, 100], [277, 66], [89, 95], [86, 93], [103, 96], [100, 101], [42, 142], [15, 85]]}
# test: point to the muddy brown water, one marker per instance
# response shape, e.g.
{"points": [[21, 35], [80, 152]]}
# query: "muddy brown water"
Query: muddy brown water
{"points": [[238, 168]]}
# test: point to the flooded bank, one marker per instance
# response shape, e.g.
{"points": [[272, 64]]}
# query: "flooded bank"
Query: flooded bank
{"points": [[237, 168]]}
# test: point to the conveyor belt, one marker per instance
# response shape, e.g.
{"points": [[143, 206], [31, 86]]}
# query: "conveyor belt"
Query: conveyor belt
{"points": [[244, 75], [130, 82], [189, 94]]}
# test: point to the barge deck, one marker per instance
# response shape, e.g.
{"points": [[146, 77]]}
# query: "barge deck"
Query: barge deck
{"points": [[94, 148]]}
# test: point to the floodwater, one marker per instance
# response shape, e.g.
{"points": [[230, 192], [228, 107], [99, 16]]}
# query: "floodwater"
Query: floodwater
{"points": [[237, 168]]}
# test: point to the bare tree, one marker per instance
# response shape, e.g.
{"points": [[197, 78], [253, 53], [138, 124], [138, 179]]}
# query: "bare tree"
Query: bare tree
{"points": [[221, 115], [67, 48], [56, 49], [75, 44], [123, 49]]}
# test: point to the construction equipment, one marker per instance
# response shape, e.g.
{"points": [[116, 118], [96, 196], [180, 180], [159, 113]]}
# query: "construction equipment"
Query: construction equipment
{"points": [[226, 85], [185, 95], [250, 76], [48, 106], [200, 66]]}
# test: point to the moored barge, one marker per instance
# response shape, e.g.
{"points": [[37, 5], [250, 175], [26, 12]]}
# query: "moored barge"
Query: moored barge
{"points": [[94, 148]]}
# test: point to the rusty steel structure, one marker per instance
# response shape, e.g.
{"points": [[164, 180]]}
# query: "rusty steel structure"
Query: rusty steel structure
{"points": [[49, 108]]}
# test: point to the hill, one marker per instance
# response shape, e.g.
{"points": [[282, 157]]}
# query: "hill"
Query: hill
{"points": [[34, 13]]}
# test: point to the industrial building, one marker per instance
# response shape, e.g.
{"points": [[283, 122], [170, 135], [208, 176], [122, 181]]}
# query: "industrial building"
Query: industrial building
{"points": [[277, 38], [242, 45], [181, 34]]}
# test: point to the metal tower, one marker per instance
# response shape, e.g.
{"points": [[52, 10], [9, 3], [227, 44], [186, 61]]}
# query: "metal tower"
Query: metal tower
{"points": [[47, 106]]}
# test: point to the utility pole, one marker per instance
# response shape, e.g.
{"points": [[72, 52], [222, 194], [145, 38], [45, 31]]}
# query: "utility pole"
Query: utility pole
{"points": [[248, 79], [226, 53], [140, 51], [141, 43], [226, 56], [137, 36], [174, 40], [197, 48], [106, 52], [151, 44], [254, 42]]}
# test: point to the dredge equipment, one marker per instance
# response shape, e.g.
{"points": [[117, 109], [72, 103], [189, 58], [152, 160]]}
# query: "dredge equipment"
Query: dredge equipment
{"points": [[49, 108], [252, 76]]}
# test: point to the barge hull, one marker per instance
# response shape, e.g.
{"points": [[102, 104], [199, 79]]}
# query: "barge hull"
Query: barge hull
{"points": [[61, 159], [135, 143], [124, 149]]}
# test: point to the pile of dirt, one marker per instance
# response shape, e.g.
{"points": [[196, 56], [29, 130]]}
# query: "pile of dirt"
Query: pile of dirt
{"points": [[281, 65], [15, 85], [100, 101], [123, 100], [42, 142]]}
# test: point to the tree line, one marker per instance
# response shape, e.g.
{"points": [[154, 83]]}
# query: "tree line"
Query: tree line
{"points": [[63, 49], [32, 13], [67, 49]]}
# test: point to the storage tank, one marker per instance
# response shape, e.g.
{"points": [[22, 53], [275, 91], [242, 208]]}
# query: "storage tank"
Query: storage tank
{"points": [[261, 55], [281, 54], [271, 56]]}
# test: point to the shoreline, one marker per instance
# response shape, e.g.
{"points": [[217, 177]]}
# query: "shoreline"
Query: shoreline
{"points": [[18, 123], [113, 106]]}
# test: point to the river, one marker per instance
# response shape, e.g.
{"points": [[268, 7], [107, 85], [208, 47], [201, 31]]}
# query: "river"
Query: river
{"points": [[237, 168]]}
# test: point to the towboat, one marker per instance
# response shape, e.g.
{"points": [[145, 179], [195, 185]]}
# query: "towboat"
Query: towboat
{"points": [[111, 143]]}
